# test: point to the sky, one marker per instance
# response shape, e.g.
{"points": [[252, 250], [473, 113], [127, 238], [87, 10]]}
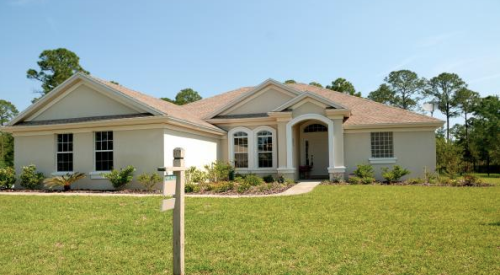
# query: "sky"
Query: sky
{"points": [[160, 47]]}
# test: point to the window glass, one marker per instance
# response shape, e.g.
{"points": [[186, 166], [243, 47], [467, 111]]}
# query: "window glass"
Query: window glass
{"points": [[265, 149], [240, 140], [382, 145], [315, 128], [104, 151], [64, 152]]}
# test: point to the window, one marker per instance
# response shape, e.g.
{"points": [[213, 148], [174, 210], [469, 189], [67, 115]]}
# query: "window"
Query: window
{"points": [[65, 153], [240, 150], [315, 128], [382, 145], [104, 151], [265, 149]]}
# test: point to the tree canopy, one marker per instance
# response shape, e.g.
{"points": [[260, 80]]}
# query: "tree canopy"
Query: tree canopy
{"points": [[7, 112], [341, 85], [55, 67], [184, 96], [403, 89], [314, 83], [290, 81]]}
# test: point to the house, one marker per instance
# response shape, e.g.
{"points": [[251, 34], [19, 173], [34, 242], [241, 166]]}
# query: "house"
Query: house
{"points": [[90, 125]]}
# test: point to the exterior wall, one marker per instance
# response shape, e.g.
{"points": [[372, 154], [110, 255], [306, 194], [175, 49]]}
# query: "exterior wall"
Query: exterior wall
{"points": [[414, 150], [265, 102], [199, 150], [84, 102], [308, 108], [141, 148]]}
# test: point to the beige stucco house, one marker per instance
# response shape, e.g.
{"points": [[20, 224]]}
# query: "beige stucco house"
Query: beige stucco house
{"points": [[90, 125]]}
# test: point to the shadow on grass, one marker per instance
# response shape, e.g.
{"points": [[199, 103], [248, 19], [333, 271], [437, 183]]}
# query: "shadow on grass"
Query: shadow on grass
{"points": [[492, 224]]}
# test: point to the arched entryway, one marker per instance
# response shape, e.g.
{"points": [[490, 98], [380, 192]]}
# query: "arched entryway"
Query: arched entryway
{"points": [[308, 144]]}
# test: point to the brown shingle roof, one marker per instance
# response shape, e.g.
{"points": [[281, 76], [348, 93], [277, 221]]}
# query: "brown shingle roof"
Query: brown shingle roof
{"points": [[167, 108], [363, 111]]}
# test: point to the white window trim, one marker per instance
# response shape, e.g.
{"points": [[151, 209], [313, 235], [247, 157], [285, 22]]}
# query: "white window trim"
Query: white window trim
{"points": [[383, 160], [97, 174], [256, 150], [230, 134], [59, 173]]}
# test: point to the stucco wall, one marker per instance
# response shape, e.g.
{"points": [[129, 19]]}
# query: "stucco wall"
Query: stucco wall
{"points": [[199, 150], [84, 102], [265, 102], [413, 150], [308, 108], [141, 148]]}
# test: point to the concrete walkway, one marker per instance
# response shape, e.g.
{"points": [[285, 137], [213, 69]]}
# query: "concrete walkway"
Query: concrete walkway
{"points": [[299, 188]]}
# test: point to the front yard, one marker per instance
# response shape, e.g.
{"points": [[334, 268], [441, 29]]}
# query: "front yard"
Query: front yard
{"points": [[335, 229]]}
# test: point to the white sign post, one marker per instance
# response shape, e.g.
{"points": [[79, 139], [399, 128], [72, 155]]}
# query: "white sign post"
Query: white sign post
{"points": [[176, 203]]}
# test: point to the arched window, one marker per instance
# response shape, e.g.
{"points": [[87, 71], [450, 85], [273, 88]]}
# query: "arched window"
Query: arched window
{"points": [[313, 128], [240, 141], [265, 149]]}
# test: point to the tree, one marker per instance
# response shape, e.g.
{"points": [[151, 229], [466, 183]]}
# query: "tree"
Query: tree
{"points": [[402, 89], [383, 94], [55, 67], [290, 81], [185, 96], [466, 101], [341, 85], [444, 88], [316, 84], [7, 112], [485, 129]]}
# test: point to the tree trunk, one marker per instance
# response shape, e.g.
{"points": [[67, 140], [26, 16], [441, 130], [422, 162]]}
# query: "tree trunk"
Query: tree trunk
{"points": [[447, 122]]}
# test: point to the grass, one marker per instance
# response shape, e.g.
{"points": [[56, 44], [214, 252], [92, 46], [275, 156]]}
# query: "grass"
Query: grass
{"points": [[491, 179], [334, 229]]}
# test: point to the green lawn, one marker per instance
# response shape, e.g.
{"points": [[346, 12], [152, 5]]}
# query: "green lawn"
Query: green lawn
{"points": [[492, 178], [334, 229]]}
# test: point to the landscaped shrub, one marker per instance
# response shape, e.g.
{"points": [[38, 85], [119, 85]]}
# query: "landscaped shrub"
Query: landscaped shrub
{"points": [[268, 179], [220, 187], [64, 180], [7, 177], [415, 181], [354, 180], [253, 180], [289, 181], [30, 178], [472, 180], [194, 175], [149, 180], [367, 180], [242, 187], [364, 171], [218, 171], [281, 179], [120, 178], [395, 175]]}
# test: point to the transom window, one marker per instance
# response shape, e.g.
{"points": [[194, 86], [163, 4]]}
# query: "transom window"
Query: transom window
{"points": [[382, 145], [240, 150], [104, 151], [315, 128], [65, 153], [265, 149]]}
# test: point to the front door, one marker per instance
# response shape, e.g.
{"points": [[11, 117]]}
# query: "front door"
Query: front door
{"points": [[315, 151]]}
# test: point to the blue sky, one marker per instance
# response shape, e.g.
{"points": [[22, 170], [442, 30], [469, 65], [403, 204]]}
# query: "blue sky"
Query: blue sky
{"points": [[160, 47]]}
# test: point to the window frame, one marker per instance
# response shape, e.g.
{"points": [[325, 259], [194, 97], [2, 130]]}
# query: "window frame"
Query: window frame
{"points": [[247, 137], [258, 136], [107, 150], [273, 151], [380, 155], [64, 152]]}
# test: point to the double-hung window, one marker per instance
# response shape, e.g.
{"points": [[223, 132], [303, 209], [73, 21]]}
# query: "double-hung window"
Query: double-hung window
{"points": [[104, 151], [265, 149], [382, 145], [65, 153], [240, 150]]}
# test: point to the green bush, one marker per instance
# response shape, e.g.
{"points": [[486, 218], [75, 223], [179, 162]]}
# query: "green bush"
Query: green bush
{"points": [[253, 180], [30, 178], [471, 180], [367, 180], [415, 181], [218, 171], [194, 175], [281, 179], [189, 187], [268, 179], [122, 177], [7, 177], [242, 187], [395, 175], [220, 187], [364, 171], [289, 181], [354, 180], [149, 180], [64, 181]]}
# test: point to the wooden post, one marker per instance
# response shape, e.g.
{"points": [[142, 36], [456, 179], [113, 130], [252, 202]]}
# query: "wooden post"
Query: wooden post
{"points": [[178, 215]]}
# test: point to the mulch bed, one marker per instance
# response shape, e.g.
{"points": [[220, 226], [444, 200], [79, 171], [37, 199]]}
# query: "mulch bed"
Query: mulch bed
{"points": [[252, 191]]}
